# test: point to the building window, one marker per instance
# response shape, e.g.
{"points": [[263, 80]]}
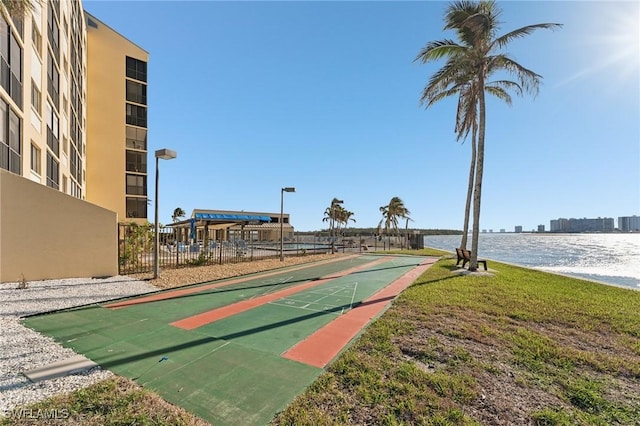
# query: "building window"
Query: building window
{"points": [[136, 161], [136, 69], [136, 185], [15, 143], [53, 172], [136, 92], [53, 81], [136, 138], [64, 184], [4, 142], [36, 37], [53, 130], [10, 63], [53, 31], [4, 39], [35, 159], [75, 189], [136, 207], [136, 115], [16, 71], [36, 98]]}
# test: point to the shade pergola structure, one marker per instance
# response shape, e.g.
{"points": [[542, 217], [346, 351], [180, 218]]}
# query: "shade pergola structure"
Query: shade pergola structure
{"points": [[227, 225]]}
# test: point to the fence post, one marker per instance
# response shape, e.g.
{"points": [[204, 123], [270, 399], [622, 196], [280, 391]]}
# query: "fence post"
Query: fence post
{"points": [[121, 251]]}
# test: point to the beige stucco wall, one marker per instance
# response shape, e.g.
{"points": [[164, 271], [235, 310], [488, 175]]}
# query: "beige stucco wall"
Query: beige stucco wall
{"points": [[106, 116], [45, 234]]}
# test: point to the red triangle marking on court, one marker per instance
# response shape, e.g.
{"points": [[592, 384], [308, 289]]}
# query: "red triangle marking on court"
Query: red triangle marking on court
{"points": [[323, 345]]}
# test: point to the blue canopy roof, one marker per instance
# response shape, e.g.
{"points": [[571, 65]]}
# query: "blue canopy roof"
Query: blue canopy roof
{"points": [[234, 217]]}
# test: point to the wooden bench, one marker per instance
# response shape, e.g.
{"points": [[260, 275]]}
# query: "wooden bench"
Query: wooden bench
{"points": [[460, 256], [466, 255]]}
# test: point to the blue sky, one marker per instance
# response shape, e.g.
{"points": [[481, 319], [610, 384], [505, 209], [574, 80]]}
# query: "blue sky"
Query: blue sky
{"points": [[324, 96]]}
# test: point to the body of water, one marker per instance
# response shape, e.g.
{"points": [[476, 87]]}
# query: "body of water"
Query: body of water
{"points": [[608, 258]]}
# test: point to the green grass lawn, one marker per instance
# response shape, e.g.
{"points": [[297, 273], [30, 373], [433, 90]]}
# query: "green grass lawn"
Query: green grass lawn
{"points": [[515, 347]]}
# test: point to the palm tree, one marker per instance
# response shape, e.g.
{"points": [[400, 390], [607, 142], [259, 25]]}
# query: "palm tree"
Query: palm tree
{"points": [[470, 63], [331, 215], [406, 232], [466, 119], [343, 216], [391, 213], [177, 214], [456, 78]]}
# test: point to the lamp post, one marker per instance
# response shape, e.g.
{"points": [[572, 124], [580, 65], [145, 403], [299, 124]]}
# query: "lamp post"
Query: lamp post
{"points": [[165, 154], [282, 191]]}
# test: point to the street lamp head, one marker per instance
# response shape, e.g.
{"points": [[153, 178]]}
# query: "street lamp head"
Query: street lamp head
{"points": [[338, 201], [166, 154], [288, 189]]}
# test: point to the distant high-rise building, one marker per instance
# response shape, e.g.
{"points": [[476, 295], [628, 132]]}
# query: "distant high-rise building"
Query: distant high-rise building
{"points": [[559, 225], [518, 229], [629, 223], [583, 225], [540, 228]]}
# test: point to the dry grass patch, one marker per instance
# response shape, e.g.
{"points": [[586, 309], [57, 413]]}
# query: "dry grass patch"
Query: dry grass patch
{"points": [[115, 401]]}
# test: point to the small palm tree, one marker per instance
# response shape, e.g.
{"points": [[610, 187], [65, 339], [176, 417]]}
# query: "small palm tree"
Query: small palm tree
{"points": [[177, 214], [334, 214], [343, 216], [391, 213]]}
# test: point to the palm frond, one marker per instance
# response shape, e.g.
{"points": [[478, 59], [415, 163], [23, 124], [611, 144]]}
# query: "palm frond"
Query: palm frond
{"points": [[500, 93], [505, 39], [438, 49], [528, 80], [500, 89]]}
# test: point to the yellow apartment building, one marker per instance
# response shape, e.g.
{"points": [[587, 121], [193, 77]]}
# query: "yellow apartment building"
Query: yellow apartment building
{"points": [[116, 122], [73, 106]]}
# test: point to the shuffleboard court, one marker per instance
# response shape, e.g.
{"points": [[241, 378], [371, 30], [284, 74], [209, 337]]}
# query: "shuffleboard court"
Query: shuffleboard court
{"points": [[220, 313], [246, 354]]}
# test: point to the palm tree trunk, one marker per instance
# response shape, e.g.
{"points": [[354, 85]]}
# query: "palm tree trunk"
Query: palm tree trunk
{"points": [[477, 193], [467, 206], [406, 233]]}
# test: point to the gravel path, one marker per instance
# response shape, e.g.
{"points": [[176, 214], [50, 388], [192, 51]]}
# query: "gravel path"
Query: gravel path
{"points": [[22, 349]]}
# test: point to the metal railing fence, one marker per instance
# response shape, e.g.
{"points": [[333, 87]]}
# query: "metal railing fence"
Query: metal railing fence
{"points": [[136, 248]]}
